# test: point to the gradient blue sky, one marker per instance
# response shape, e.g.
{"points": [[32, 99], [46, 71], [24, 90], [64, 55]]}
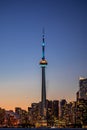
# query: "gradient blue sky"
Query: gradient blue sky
{"points": [[21, 23]]}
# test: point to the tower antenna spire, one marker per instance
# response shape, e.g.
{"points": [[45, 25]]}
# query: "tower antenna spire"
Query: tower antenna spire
{"points": [[43, 32]]}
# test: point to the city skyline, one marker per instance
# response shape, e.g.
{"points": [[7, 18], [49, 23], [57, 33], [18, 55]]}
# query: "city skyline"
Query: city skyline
{"points": [[65, 24]]}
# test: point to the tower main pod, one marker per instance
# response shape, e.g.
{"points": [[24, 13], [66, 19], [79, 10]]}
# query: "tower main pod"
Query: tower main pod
{"points": [[43, 64]]}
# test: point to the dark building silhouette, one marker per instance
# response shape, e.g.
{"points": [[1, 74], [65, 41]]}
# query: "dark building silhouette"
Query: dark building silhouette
{"points": [[62, 107], [77, 96], [83, 88], [56, 109]]}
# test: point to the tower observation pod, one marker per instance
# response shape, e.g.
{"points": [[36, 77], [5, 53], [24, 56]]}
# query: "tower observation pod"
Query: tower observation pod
{"points": [[43, 64]]}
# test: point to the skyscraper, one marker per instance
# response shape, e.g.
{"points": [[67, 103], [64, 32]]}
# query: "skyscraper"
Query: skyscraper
{"points": [[83, 88], [63, 103], [43, 64]]}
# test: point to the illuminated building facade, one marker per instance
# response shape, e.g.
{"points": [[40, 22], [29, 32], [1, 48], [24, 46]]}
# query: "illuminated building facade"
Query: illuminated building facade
{"points": [[52, 112], [81, 113]]}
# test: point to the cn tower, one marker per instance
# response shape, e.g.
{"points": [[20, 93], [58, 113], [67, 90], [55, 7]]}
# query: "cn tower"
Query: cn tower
{"points": [[43, 64]]}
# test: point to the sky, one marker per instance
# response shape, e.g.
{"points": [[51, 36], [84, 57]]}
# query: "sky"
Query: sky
{"points": [[21, 24]]}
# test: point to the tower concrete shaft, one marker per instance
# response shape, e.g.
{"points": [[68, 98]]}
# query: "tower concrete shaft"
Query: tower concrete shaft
{"points": [[43, 98]]}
